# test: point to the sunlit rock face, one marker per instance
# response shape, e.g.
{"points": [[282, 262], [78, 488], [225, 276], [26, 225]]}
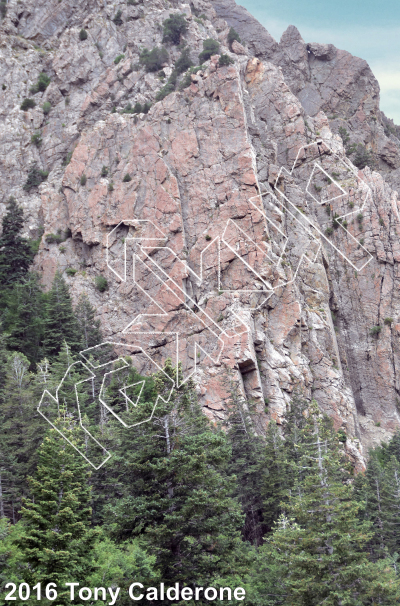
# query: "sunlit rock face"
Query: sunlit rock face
{"points": [[237, 229]]}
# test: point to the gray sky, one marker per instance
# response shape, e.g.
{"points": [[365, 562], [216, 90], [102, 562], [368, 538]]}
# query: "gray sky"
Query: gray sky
{"points": [[366, 28]]}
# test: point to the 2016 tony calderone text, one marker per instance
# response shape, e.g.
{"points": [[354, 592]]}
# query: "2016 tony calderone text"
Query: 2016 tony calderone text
{"points": [[136, 592]]}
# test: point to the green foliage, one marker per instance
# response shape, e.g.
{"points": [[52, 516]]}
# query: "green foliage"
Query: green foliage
{"points": [[136, 109], [58, 237], [165, 91], [27, 104], [345, 135], [83, 180], [153, 60], [174, 27], [183, 62], [60, 500], [83, 34], [21, 432], [46, 107], [127, 178], [363, 157], [89, 327], [118, 17], [15, 251], [23, 319], [35, 177], [329, 231], [41, 85], [36, 139], [225, 60], [232, 36], [324, 532], [375, 330], [60, 324], [247, 464], [388, 321], [118, 59], [3, 8], [187, 80], [210, 48], [180, 504], [101, 283], [71, 271], [117, 565], [68, 157], [8, 552]]}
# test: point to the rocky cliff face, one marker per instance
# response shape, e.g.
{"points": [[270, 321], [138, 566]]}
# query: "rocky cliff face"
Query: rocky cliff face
{"points": [[234, 230]]}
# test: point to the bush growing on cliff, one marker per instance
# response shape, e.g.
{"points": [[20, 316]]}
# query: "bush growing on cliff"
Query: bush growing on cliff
{"points": [[101, 283], [153, 60], [58, 237], [117, 19], [118, 59], [173, 28], [184, 62], [36, 139], [35, 177], [363, 157], [27, 104], [232, 36], [83, 34], [210, 48], [165, 91], [41, 85], [375, 330], [225, 60], [187, 80], [46, 107]]}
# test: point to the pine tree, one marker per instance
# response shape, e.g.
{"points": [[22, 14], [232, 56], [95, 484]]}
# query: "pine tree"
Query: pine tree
{"points": [[369, 491], [24, 318], [247, 464], [322, 542], [89, 328], [277, 476], [15, 251], [176, 492], [22, 431], [58, 542], [61, 324], [393, 448], [390, 506]]}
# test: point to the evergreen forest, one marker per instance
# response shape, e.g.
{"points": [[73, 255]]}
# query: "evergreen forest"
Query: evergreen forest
{"points": [[279, 513]]}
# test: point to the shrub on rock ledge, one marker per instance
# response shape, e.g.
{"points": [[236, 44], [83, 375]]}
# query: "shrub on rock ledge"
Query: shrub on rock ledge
{"points": [[210, 48]]}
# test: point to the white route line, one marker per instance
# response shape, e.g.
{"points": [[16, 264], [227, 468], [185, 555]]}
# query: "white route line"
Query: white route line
{"points": [[145, 245]]}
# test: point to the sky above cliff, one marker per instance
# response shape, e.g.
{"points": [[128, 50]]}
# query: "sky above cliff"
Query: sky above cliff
{"points": [[366, 28]]}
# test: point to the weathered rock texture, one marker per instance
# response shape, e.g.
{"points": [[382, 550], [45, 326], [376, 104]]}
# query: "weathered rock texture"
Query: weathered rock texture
{"points": [[288, 312]]}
